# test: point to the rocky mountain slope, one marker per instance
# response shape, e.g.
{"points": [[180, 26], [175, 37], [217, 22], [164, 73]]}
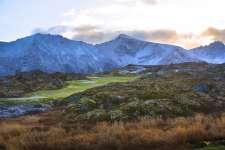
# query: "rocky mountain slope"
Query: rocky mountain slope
{"points": [[213, 53], [51, 53], [54, 53], [126, 50]]}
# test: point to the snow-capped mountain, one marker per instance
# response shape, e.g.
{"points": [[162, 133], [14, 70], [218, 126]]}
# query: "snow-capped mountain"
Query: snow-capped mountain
{"points": [[213, 53], [54, 53], [51, 53], [127, 50]]}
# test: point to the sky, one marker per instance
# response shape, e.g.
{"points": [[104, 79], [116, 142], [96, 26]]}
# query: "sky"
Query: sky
{"points": [[187, 23]]}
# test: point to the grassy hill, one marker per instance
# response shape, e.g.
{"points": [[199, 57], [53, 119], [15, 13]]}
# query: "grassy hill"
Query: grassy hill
{"points": [[159, 93], [171, 107]]}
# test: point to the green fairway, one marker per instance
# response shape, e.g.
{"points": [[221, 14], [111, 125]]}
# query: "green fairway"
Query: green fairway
{"points": [[70, 88], [22, 100], [79, 86]]}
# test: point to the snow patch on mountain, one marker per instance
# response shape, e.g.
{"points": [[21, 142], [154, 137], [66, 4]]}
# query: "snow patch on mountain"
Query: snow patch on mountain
{"points": [[52, 53], [127, 50]]}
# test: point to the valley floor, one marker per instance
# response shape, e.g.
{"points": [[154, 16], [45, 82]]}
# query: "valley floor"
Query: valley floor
{"points": [[172, 107], [71, 87], [41, 100]]}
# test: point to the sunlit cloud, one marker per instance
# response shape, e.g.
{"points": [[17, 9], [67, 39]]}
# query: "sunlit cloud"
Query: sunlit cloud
{"points": [[69, 13], [148, 2], [215, 34], [180, 22], [95, 34]]}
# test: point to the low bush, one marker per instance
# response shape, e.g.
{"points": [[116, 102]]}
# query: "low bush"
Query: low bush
{"points": [[178, 133]]}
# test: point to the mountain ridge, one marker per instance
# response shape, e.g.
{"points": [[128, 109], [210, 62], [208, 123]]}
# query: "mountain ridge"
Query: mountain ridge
{"points": [[212, 53], [51, 53], [135, 51], [55, 53]]}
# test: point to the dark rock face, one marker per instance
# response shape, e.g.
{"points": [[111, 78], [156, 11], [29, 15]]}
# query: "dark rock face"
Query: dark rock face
{"points": [[219, 78], [201, 87], [18, 110]]}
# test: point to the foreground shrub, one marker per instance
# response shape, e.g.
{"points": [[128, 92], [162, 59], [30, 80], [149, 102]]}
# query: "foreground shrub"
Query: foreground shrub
{"points": [[177, 133]]}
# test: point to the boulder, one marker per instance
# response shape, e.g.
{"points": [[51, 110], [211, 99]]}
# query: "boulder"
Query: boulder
{"points": [[201, 87]]}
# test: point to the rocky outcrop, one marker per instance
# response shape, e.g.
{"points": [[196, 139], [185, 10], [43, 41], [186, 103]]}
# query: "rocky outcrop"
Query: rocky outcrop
{"points": [[18, 110]]}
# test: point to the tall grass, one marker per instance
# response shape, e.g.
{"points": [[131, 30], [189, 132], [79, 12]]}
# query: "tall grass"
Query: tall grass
{"points": [[168, 134]]}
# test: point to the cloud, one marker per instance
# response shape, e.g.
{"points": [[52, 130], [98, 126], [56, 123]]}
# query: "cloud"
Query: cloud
{"points": [[161, 35], [91, 34], [86, 29], [94, 34], [146, 15], [149, 2], [54, 30], [69, 13], [215, 34], [95, 37], [168, 36], [87, 33]]}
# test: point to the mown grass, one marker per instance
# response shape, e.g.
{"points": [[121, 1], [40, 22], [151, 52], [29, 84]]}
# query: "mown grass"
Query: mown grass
{"points": [[73, 87], [70, 88], [23, 100], [158, 134]]}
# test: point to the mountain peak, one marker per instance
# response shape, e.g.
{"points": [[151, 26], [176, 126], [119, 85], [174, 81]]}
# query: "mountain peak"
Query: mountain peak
{"points": [[46, 37], [42, 35], [2, 42], [217, 44], [124, 36]]}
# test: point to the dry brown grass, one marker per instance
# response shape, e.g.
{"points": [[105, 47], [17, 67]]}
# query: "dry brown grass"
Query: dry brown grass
{"points": [[178, 133]]}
